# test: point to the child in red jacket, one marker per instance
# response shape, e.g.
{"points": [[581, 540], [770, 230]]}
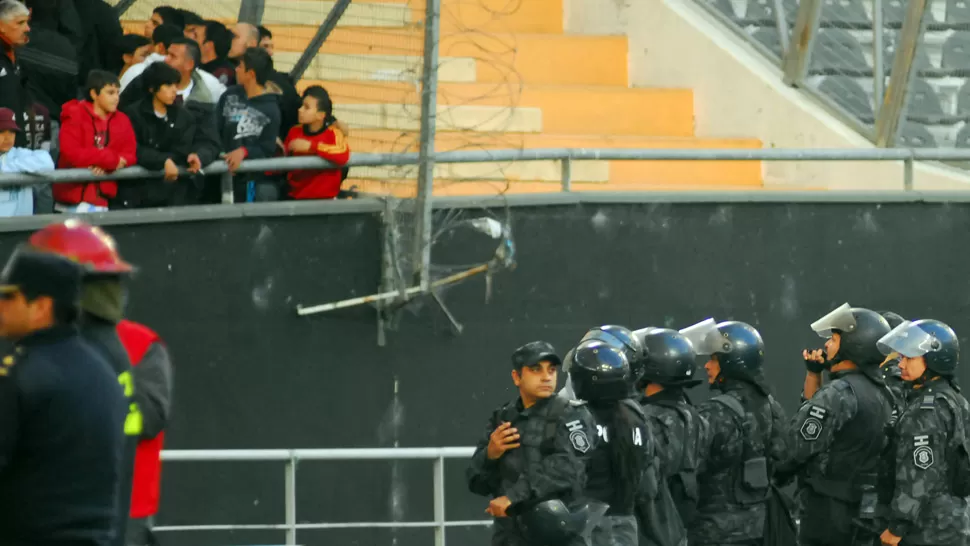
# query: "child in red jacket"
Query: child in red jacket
{"points": [[317, 135], [94, 135]]}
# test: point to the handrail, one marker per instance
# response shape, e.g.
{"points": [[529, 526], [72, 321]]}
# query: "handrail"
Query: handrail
{"points": [[291, 457], [540, 154]]}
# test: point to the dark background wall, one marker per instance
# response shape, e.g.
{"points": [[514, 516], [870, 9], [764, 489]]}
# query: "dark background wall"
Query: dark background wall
{"points": [[250, 373]]}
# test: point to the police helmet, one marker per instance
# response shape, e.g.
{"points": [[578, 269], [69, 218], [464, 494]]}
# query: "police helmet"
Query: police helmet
{"points": [[623, 339], [599, 371], [739, 348], [859, 330], [533, 353], [936, 342], [552, 523], [668, 359], [893, 319]]}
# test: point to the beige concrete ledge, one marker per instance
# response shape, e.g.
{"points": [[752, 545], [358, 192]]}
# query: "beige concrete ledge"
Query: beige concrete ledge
{"points": [[286, 12], [396, 68], [457, 118], [533, 171]]}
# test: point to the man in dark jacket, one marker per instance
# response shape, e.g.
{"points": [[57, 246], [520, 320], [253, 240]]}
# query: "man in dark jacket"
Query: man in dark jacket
{"points": [[102, 37], [61, 412], [247, 36], [14, 26], [216, 43], [169, 136], [248, 118]]}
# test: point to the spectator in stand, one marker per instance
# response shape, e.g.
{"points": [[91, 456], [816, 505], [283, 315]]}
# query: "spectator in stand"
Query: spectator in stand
{"points": [[94, 135], [18, 201], [246, 36], [185, 56], [14, 26], [266, 40], [164, 15], [215, 53], [49, 63], [248, 117], [194, 28], [317, 135], [162, 38], [102, 37], [135, 48], [169, 136]]}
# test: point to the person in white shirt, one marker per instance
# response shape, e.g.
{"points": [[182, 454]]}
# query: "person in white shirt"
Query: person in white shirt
{"points": [[184, 55]]}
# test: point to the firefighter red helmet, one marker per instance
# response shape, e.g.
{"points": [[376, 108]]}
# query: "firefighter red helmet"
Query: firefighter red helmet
{"points": [[83, 243]]}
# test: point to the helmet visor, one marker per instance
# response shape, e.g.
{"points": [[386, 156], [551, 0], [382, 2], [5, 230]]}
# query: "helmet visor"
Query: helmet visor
{"points": [[907, 339], [705, 338], [839, 319]]}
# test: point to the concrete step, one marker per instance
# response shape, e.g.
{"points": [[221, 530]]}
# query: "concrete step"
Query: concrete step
{"points": [[621, 173], [395, 68], [572, 110], [450, 118], [286, 12]]}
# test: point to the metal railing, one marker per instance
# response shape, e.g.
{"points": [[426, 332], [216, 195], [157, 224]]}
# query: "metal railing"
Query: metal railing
{"points": [[291, 458], [565, 155]]}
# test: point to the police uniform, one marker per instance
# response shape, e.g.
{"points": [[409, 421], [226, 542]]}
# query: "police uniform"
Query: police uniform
{"points": [[61, 418], [837, 440], [556, 436], [927, 508]]}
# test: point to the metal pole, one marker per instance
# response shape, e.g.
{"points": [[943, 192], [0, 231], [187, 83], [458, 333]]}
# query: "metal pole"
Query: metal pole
{"points": [[319, 38], [122, 6], [426, 154], [290, 476], [799, 54], [782, 23], [439, 501], [567, 174], [251, 11], [879, 71], [892, 112], [227, 188], [908, 174]]}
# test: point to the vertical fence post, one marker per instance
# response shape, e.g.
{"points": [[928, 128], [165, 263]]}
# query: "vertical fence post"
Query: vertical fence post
{"points": [[783, 35], [290, 476], [878, 67], [908, 172], [439, 501], [227, 188], [567, 174]]}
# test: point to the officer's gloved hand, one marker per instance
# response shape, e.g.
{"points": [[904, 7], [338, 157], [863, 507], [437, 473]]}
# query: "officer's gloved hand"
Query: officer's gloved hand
{"points": [[814, 360]]}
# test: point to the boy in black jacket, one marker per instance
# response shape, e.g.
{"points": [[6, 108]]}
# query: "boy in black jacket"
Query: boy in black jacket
{"points": [[170, 136], [249, 120]]}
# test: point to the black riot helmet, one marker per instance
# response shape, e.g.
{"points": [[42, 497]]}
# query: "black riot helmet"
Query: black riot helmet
{"points": [[739, 348], [552, 523], [668, 359], [933, 340], [893, 319], [618, 337], [599, 372], [859, 330], [533, 353]]}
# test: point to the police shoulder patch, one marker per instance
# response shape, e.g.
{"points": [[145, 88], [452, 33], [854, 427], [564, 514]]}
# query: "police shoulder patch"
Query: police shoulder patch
{"points": [[812, 425], [927, 403], [922, 452]]}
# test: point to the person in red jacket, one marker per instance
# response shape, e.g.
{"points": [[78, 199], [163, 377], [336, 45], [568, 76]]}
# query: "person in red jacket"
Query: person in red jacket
{"points": [[94, 135], [103, 296], [317, 135]]}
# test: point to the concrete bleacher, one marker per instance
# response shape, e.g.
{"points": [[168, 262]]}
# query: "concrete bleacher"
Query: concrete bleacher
{"points": [[841, 67], [508, 78]]}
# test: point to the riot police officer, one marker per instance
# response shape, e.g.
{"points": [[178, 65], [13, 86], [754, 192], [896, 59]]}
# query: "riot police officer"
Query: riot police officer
{"points": [[746, 436], [531, 458], [61, 412], [680, 432], [839, 435], [931, 467], [600, 375], [890, 365]]}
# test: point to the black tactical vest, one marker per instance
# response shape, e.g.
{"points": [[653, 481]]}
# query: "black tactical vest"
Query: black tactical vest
{"points": [[683, 481]]}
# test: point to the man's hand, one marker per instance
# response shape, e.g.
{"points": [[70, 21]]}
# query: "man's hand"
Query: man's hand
{"points": [[300, 146], [502, 439], [888, 538], [498, 507], [195, 164], [235, 158], [97, 171], [171, 171], [814, 360], [121, 164]]}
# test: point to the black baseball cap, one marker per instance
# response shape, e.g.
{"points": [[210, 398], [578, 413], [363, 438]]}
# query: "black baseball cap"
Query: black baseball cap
{"points": [[533, 353], [35, 273]]}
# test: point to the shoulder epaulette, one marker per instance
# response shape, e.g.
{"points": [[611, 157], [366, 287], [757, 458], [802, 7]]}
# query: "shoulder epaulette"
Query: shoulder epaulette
{"points": [[9, 360], [927, 403]]}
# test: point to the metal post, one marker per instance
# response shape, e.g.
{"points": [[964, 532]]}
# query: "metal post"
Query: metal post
{"points": [[782, 26], [892, 111], [426, 154], [319, 38], [908, 173], [290, 476], [799, 53], [227, 188], [251, 11], [439, 501], [567, 174], [879, 71]]}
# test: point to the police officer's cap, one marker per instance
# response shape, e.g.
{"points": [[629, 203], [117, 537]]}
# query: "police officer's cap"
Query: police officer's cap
{"points": [[533, 353], [35, 273]]}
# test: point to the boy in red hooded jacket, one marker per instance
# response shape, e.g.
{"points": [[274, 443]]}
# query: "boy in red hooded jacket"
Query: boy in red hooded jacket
{"points": [[94, 135]]}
